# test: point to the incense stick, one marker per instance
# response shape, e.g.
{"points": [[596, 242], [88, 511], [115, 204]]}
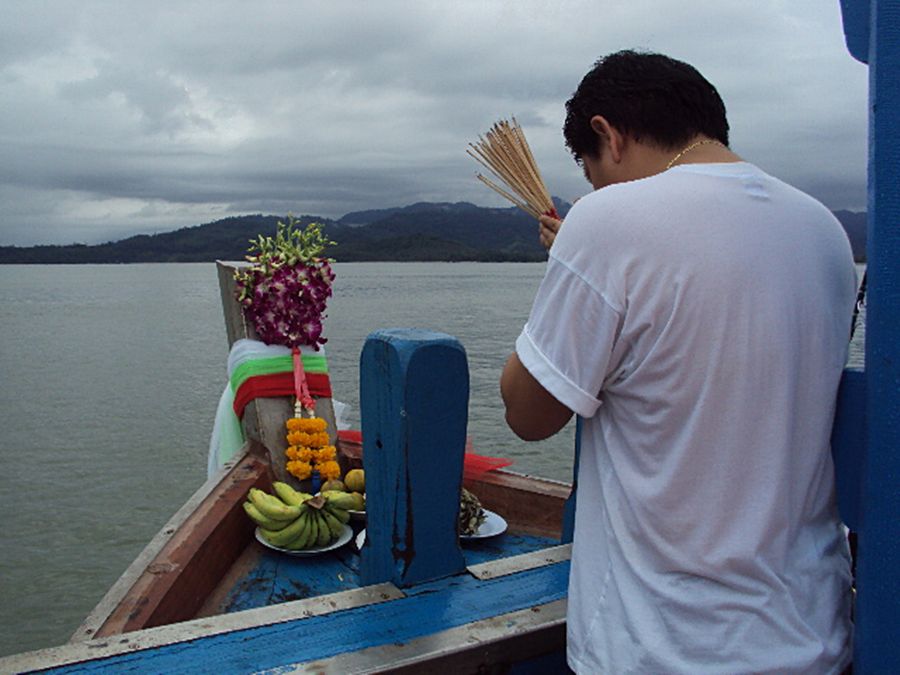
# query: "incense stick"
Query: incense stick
{"points": [[504, 151]]}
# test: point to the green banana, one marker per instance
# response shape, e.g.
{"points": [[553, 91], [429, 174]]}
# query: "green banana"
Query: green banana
{"points": [[289, 495], [313, 524], [312, 532], [360, 501], [339, 513], [282, 538], [302, 540], [271, 506], [334, 525], [343, 500], [324, 532], [267, 523]]}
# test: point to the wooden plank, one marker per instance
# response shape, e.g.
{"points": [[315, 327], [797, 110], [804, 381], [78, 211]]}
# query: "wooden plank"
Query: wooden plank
{"points": [[278, 578], [488, 646], [194, 557], [446, 605], [414, 392], [520, 563], [478, 551], [153, 638], [119, 591], [235, 325], [262, 577], [220, 600]]}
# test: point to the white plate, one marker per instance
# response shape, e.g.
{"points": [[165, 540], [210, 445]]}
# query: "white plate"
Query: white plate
{"points": [[493, 525], [337, 543], [357, 515]]}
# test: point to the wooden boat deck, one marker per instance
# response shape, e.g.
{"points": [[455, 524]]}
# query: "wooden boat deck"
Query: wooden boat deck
{"points": [[447, 622], [262, 577], [206, 596], [269, 610]]}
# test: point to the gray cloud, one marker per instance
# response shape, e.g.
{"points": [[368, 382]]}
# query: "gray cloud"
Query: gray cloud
{"points": [[129, 117]]}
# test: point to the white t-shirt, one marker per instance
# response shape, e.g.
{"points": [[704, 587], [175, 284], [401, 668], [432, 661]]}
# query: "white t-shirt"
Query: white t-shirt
{"points": [[699, 321]]}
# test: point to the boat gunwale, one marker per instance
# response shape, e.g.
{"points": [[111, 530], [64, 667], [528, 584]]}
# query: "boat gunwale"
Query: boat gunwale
{"points": [[501, 634], [530, 505], [137, 599]]}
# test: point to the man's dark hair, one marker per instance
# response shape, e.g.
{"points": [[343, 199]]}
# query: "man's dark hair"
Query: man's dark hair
{"points": [[651, 97]]}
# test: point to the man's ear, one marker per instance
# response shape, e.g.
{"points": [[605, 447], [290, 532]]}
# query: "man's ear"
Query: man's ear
{"points": [[609, 136]]}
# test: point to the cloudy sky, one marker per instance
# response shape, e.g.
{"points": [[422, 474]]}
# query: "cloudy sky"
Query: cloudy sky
{"points": [[118, 117]]}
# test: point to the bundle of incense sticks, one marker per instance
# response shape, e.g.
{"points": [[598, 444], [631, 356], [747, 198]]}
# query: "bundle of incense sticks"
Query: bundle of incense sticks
{"points": [[505, 153]]}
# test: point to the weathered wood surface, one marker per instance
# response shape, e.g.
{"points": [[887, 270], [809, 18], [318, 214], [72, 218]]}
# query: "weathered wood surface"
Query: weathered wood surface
{"points": [[264, 417], [423, 618], [494, 645], [267, 577], [414, 393], [197, 554], [257, 577], [126, 590], [92, 652]]}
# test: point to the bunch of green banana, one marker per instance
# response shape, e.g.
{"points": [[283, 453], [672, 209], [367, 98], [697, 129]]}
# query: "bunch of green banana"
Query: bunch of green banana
{"points": [[348, 501], [295, 520]]}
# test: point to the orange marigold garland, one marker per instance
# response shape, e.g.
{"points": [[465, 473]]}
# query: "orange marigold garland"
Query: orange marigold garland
{"points": [[309, 450]]}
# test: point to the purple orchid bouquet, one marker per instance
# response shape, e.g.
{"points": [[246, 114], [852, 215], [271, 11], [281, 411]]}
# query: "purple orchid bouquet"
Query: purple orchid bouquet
{"points": [[285, 289]]}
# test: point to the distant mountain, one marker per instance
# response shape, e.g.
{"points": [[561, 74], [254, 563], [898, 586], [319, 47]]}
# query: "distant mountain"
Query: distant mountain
{"points": [[425, 231], [224, 239], [439, 231], [358, 218]]}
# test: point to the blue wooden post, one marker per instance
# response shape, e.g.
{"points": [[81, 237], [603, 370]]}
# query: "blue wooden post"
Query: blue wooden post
{"points": [[568, 526], [872, 29], [414, 394], [848, 445]]}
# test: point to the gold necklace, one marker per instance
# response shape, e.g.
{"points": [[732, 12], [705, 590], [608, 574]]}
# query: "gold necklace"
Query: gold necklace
{"points": [[705, 141]]}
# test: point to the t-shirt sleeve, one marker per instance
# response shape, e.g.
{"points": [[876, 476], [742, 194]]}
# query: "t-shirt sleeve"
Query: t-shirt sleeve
{"points": [[568, 340]]}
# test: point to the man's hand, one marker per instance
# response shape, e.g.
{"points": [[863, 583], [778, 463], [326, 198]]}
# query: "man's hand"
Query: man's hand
{"points": [[549, 226], [531, 411]]}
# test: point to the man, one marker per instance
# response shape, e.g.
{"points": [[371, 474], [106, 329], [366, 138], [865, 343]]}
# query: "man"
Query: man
{"points": [[696, 313]]}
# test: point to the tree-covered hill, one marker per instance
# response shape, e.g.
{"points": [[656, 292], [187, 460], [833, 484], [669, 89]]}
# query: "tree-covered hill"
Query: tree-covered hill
{"points": [[420, 232]]}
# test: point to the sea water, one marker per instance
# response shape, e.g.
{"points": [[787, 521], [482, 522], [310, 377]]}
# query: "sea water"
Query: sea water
{"points": [[110, 378]]}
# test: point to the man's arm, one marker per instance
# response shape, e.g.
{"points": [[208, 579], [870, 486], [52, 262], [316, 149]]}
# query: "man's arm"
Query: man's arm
{"points": [[531, 411]]}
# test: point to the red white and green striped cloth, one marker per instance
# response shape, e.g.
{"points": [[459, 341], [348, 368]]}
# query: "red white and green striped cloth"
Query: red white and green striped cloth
{"points": [[256, 370]]}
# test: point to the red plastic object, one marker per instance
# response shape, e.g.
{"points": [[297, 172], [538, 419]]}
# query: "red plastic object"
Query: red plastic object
{"points": [[474, 465]]}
